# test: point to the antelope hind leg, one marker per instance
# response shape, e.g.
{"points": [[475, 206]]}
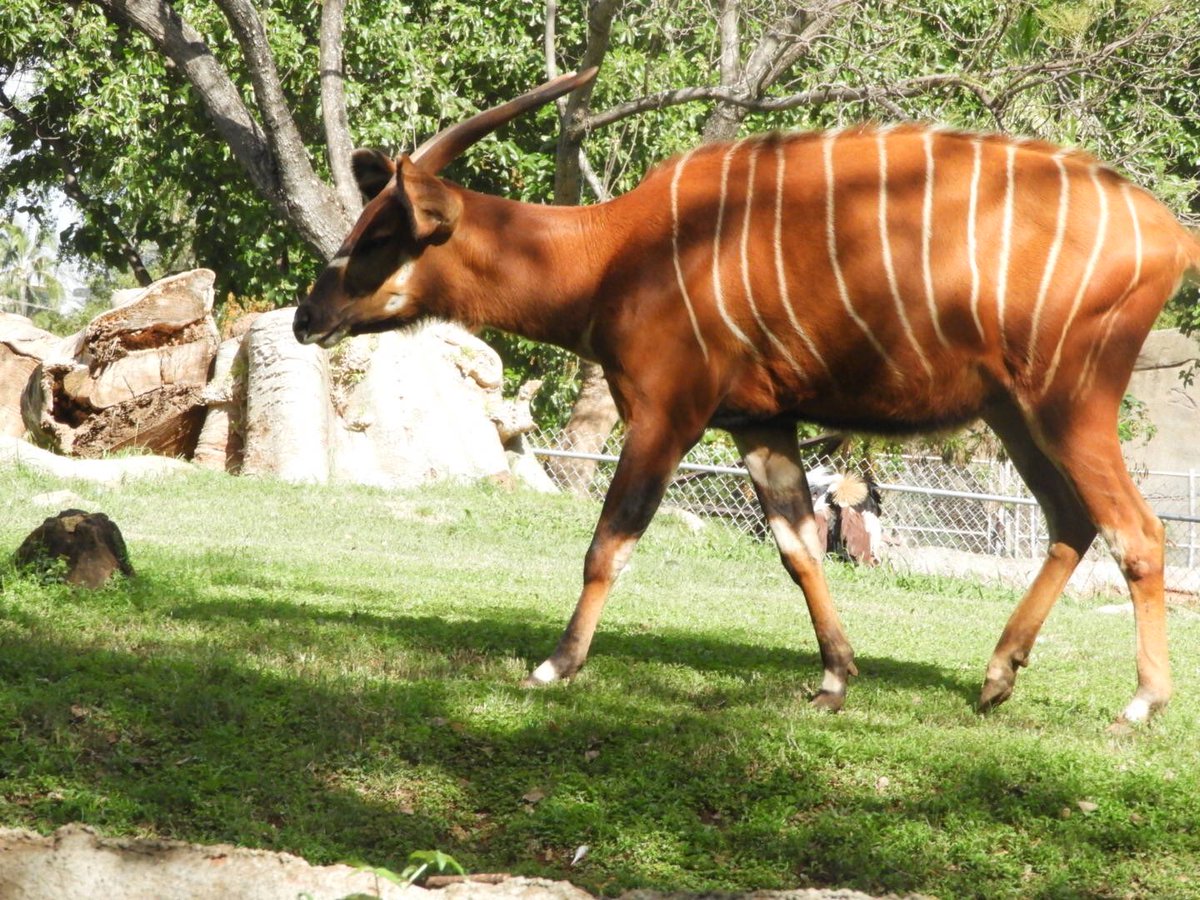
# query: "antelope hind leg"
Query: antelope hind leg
{"points": [[772, 456]]}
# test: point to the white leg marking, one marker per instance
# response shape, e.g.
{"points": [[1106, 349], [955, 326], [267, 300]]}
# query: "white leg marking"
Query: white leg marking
{"points": [[833, 684], [718, 290], [1005, 243], [927, 235], [1060, 229], [780, 275], [1097, 246], [1138, 710], [1110, 317], [775, 341], [972, 242], [687, 300], [621, 556], [888, 266], [831, 245], [544, 674]]}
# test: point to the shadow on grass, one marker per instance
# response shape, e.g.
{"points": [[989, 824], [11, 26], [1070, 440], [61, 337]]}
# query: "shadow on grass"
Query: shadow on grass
{"points": [[199, 741]]}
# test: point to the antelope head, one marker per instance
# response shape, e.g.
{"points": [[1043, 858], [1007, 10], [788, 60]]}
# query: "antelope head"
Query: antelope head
{"points": [[375, 281]]}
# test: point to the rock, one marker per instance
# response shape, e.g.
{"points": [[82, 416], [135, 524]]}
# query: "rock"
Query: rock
{"points": [[117, 470], [57, 500], [526, 468], [89, 543], [415, 406], [289, 416]]}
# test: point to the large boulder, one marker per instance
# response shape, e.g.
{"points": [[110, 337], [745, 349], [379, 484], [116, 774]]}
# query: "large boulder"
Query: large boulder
{"points": [[390, 410]]}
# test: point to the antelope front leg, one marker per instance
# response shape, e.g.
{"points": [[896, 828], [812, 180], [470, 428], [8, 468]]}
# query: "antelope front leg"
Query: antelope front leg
{"points": [[647, 463], [772, 456]]}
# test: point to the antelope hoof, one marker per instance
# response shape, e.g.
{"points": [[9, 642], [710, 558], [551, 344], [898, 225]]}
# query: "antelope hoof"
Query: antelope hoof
{"points": [[1139, 710], [829, 701], [832, 695], [548, 673], [997, 687]]}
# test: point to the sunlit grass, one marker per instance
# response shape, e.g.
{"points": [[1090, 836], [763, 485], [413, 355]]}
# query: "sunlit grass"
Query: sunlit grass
{"points": [[333, 672]]}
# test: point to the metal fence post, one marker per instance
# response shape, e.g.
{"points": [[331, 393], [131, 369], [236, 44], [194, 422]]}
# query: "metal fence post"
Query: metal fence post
{"points": [[1192, 515]]}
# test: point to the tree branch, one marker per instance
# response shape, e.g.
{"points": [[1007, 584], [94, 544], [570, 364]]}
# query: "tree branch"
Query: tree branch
{"points": [[333, 106], [570, 163], [273, 157], [102, 211]]}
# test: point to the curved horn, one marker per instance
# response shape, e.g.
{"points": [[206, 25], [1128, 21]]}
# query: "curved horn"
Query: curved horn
{"points": [[445, 146]]}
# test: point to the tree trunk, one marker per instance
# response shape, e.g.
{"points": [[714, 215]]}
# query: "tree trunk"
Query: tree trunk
{"points": [[593, 418]]}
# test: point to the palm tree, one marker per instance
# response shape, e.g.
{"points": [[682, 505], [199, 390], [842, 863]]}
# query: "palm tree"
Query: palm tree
{"points": [[28, 265]]}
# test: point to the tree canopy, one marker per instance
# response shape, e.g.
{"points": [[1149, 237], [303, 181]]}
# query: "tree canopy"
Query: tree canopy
{"points": [[217, 132]]}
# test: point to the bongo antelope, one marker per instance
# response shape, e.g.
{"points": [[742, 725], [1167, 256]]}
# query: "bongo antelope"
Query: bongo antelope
{"points": [[887, 279]]}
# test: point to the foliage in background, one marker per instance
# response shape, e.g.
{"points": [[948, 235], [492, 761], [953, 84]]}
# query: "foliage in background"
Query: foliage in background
{"points": [[1120, 79], [28, 266]]}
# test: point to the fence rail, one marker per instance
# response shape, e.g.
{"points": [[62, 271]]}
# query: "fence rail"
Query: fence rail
{"points": [[981, 508]]}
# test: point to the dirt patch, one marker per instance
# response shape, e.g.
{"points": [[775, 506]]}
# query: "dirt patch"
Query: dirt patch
{"points": [[75, 863]]}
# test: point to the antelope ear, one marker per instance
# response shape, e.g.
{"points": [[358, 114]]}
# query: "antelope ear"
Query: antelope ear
{"points": [[373, 169], [433, 208]]}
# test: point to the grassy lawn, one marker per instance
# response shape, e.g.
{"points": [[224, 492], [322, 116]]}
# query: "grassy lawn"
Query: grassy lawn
{"points": [[332, 672]]}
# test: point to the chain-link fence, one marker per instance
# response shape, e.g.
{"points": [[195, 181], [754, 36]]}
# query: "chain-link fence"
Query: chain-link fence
{"points": [[973, 518]]}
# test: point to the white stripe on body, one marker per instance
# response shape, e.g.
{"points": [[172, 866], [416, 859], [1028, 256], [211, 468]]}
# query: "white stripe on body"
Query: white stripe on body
{"points": [[1005, 244], [927, 235], [687, 300], [1060, 230], [780, 274], [718, 289], [888, 266], [1089, 270], [972, 241], [831, 245], [1110, 317], [775, 341]]}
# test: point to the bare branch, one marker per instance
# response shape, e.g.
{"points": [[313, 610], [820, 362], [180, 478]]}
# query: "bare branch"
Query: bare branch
{"points": [[273, 154], [333, 106]]}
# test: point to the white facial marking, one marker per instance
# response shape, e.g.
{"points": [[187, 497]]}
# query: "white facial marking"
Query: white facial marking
{"points": [[395, 303], [780, 275], [886, 245], [831, 245], [1060, 228], [338, 262], [687, 300], [718, 288], [544, 674], [400, 278], [1097, 246]]}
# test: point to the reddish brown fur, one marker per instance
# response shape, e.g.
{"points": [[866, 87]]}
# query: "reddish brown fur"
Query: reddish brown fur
{"points": [[622, 282]]}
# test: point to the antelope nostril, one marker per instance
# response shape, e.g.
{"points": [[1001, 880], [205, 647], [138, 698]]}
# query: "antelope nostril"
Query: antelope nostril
{"points": [[301, 322]]}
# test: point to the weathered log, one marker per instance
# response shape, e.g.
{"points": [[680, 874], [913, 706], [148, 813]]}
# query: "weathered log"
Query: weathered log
{"points": [[134, 378], [221, 439], [23, 347]]}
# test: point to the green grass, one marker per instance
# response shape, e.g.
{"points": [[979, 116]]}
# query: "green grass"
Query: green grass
{"points": [[333, 672]]}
